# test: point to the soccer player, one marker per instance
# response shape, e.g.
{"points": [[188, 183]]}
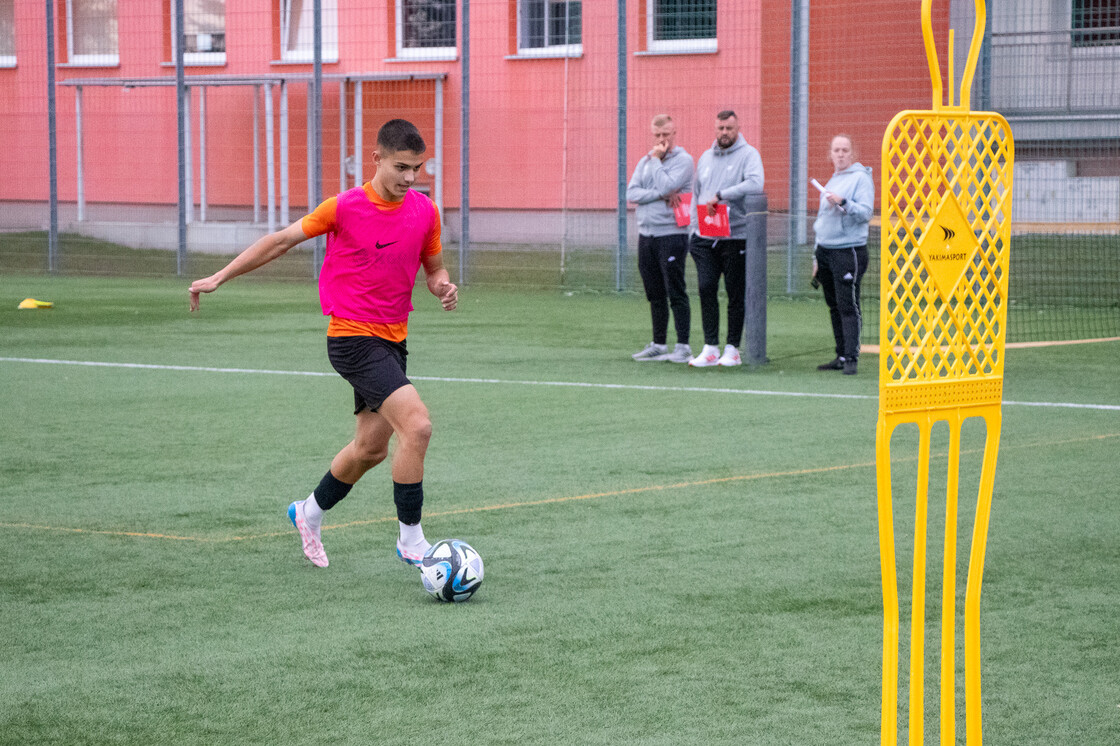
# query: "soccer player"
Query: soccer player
{"points": [[378, 237]]}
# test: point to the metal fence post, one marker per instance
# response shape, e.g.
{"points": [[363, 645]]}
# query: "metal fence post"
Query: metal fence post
{"points": [[202, 153], [256, 154], [315, 105], [181, 133], [52, 136], [798, 132], [619, 275], [754, 312], [270, 157], [465, 146], [80, 155]]}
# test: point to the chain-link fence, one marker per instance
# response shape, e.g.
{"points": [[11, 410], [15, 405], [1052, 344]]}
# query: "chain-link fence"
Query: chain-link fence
{"points": [[172, 151]]}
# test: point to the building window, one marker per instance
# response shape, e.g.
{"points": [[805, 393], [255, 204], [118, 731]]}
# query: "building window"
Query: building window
{"points": [[681, 26], [1095, 23], [297, 30], [549, 28], [425, 29], [91, 32], [204, 23], [7, 33]]}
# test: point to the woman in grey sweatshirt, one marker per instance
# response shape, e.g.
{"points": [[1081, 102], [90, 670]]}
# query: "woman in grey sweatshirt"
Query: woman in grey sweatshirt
{"points": [[841, 229]]}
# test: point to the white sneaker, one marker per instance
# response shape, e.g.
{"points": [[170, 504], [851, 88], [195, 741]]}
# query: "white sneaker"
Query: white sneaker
{"points": [[680, 354], [651, 351], [708, 357], [730, 357]]}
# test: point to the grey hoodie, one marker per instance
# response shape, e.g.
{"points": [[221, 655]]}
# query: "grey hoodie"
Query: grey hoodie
{"points": [[843, 229], [653, 179], [734, 173]]}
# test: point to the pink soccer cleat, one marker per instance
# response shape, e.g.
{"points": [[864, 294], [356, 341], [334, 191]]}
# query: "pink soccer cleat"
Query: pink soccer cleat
{"points": [[312, 545], [412, 554]]}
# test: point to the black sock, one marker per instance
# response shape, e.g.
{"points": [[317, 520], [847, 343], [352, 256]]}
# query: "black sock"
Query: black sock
{"points": [[330, 491], [409, 498]]}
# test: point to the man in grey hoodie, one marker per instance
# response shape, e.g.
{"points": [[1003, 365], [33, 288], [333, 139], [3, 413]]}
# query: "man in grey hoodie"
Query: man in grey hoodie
{"points": [[661, 176], [727, 172], [841, 229]]}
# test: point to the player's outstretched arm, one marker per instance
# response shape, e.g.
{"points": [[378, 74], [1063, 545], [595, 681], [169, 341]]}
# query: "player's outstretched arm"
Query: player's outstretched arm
{"points": [[260, 253], [439, 282]]}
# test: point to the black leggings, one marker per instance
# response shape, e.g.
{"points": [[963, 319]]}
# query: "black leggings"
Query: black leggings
{"points": [[840, 272]]}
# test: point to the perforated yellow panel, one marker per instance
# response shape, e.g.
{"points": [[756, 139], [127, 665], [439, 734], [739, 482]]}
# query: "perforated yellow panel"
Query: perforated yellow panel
{"points": [[946, 217], [946, 229]]}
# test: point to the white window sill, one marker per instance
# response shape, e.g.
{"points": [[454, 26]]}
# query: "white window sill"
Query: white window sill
{"points": [[680, 46], [426, 54], [7, 60], [548, 53], [188, 63], [105, 61], [327, 60], [653, 53], [204, 58]]}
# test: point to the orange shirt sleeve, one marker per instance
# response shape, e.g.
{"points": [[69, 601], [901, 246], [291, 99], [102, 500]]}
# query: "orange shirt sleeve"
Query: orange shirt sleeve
{"points": [[321, 219], [434, 244]]}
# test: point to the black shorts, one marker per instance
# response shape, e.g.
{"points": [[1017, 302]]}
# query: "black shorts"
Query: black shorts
{"points": [[373, 366]]}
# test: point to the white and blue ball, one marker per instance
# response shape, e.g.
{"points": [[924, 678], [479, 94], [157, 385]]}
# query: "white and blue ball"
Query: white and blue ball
{"points": [[451, 570]]}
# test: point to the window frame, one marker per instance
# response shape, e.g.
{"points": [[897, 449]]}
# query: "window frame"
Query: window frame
{"points": [[422, 54], [90, 60], [196, 58], [704, 45], [9, 60], [1092, 37], [307, 56], [568, 49]]}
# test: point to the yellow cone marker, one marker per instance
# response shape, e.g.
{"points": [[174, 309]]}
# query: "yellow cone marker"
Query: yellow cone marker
{"points": [[946, 233], [31, 304]]}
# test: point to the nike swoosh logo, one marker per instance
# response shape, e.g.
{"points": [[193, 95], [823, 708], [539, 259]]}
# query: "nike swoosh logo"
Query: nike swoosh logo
{"points": [[383, 245]]}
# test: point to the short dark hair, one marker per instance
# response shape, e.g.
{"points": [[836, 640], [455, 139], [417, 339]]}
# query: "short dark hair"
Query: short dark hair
{"points": [[400, 134], [726, 114]]}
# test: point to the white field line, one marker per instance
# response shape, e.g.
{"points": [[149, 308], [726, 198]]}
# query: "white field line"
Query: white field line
{"points": [[514, 382], [874, 349]]}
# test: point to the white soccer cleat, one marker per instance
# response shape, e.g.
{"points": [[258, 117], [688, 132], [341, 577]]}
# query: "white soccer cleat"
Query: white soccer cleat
{"points": [[708, 357], [312, 545], [730, 357], [652, 351]]}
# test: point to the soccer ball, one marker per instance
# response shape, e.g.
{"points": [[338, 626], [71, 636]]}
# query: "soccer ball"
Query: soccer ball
{"points": [[451, 570]]}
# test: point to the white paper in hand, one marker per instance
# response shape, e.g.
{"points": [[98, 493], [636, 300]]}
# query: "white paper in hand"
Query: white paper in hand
{"points": [[822, 190]]}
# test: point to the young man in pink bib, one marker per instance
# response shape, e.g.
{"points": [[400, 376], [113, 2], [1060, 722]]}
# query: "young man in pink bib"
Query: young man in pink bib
{"points": [[378, 237]]}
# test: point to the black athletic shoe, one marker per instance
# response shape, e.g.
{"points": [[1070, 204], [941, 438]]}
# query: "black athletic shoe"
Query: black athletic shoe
{"points": [[849, 367], [834, 364]]}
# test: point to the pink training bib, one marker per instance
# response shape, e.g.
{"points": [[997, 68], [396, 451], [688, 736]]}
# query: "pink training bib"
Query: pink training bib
{"points": [[373, 256]]}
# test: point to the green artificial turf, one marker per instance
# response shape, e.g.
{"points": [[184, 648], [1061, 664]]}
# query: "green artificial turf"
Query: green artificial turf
{"points": [[673, 556]]}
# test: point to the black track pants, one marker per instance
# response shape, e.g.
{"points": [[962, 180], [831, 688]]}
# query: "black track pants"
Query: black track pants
{"points": [[840, 272]]}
